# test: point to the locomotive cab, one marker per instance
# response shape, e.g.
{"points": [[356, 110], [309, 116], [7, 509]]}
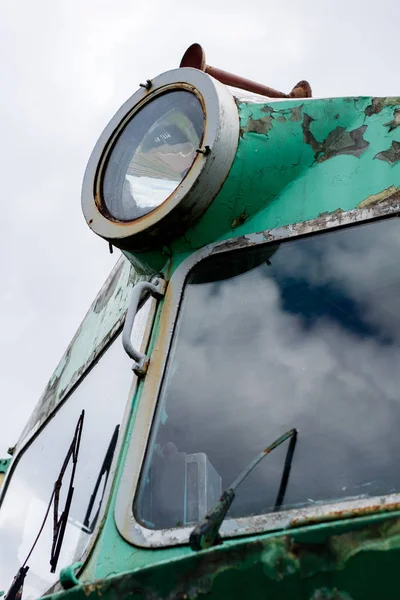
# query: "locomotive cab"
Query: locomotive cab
{"points": [[256, 295]]}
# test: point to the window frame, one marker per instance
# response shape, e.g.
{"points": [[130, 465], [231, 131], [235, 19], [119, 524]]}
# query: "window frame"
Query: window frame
{"points": [[31, 437], [129, 527]]}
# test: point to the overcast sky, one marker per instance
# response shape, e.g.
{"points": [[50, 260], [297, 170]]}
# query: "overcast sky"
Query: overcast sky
{"points": [[66, 67]]}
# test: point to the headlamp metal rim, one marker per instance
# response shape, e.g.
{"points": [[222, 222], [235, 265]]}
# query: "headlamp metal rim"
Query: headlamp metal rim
{"points": [[197, 189], [102, 166]]}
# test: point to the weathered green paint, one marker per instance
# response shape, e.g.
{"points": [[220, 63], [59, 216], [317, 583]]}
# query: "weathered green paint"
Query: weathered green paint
{"points": [[68, 579], [349, 560], [4, 464], [101, 322], [296, 159], [299, 168]]}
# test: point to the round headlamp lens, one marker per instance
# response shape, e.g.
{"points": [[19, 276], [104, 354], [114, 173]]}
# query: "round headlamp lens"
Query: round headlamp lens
{"points": [[152, 155]]}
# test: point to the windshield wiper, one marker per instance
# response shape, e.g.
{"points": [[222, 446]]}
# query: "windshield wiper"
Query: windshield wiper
{"points": [[88, 526], [59, 524], [206, 533]]}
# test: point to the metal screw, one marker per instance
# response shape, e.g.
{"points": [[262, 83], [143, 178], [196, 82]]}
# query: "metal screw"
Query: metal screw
{"points": [[146, 85], [206, 150]]}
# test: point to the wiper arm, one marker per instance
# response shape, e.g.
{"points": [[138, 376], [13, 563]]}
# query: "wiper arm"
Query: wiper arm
{"points": [[15, 591], [206, 533], [59, 524]]}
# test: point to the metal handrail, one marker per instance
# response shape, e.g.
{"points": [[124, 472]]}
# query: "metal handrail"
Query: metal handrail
{"points": [[156, 288]]}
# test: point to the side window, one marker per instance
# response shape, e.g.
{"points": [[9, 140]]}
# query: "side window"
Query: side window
{"points": [[102, 395]]}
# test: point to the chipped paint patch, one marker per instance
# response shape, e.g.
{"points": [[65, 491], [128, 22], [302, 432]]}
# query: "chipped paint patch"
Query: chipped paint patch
{"points": [[391, 193], [107, 292], [339, 141], [378, 104], [395, 122], [239, 220], [392, 155], [296, 113], [261, 125]]}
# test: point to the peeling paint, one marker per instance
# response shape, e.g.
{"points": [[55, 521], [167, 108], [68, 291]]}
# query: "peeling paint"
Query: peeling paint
{"points": [[239, 220], [296, 113], [102, 321], [392, 155], [339, 141], [378, 104], [391, 193], [395, 122], [281, 179], [107, 291], [262, 125], [275, 566]]}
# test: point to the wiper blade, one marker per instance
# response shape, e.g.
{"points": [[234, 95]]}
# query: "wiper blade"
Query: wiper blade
{"points": [[59, 524], [206, 533], [88, 526]]}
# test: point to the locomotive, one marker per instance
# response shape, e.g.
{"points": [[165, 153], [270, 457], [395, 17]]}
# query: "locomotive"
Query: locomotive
{"points": [[223, 423]]}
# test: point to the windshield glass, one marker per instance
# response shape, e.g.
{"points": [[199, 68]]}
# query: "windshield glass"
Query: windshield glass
{"points": [[304, 334], [103, 395]]}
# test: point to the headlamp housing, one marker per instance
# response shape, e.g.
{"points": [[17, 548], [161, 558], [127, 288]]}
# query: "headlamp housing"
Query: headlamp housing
{"points": [[161, 160]]}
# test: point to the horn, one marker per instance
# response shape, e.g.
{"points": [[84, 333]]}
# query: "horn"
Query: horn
{"points": [[195, 57]]}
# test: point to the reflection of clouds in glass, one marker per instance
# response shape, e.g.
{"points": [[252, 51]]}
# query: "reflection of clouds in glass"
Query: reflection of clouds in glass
{"points": [[152, 155], [246, 369], [146, 192], [366, 273]]}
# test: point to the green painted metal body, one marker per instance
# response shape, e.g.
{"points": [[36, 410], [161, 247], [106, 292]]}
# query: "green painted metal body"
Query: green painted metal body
{"points": [[342, 561], [296, 160]]}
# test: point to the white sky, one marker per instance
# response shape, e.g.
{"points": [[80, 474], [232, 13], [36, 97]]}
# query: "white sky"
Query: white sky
{"points": [[66, 66]]}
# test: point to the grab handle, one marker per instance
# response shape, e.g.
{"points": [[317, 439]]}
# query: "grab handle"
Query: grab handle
{"points": [[155, 289]]}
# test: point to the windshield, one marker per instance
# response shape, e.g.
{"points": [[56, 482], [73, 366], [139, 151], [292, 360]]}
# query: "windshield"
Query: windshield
{"points": [[102, 397], [304, 334]]}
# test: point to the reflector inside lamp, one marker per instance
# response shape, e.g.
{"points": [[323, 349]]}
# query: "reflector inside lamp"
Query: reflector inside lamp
{"points": [[152, 155]]}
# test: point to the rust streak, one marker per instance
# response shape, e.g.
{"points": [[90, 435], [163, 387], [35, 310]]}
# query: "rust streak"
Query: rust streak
{"points": [[350, 513]]}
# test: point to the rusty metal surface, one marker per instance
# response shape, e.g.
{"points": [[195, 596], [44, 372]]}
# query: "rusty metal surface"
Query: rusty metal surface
{"points": [[134, 532], [350, 561]]}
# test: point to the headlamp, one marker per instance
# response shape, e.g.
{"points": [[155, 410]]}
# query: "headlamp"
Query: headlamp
{"points": [[152, 155], [161, 160]]}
